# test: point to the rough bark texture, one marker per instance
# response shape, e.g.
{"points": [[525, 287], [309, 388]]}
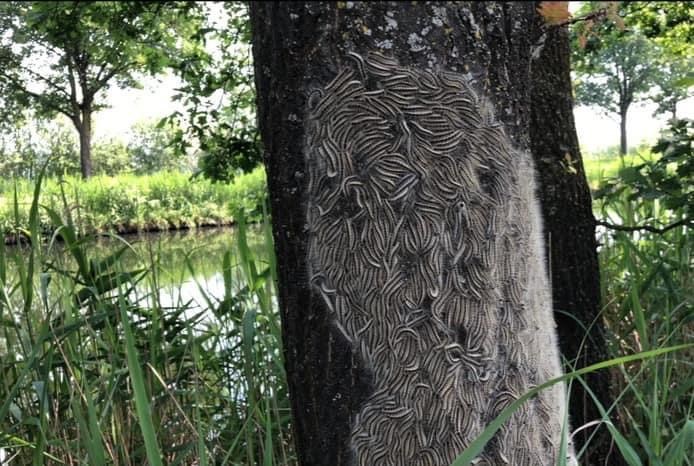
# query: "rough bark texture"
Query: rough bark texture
{"points": [[570, 239], [414, 300]]}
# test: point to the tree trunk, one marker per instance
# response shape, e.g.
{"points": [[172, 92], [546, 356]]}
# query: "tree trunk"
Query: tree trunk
{"points": [[414, 298], [570, 239], [623, 148], [85, 132]]}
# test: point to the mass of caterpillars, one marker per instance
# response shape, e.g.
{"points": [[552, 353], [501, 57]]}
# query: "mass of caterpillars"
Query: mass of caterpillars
{"points": [[424, 244]]}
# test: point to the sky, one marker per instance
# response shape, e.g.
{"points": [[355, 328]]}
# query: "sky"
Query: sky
{"points": [[596, 132]]}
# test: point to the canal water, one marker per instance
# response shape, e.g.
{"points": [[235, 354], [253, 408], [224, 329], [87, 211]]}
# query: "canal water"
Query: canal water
{"points": [[184, 266]]}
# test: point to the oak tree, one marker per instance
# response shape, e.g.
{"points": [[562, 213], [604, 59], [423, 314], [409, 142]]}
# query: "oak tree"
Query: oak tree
{"points": [[413, 291], [60, 57]]}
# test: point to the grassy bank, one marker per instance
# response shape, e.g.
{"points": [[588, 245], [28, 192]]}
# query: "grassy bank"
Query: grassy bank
{"points": [[129, 203]]}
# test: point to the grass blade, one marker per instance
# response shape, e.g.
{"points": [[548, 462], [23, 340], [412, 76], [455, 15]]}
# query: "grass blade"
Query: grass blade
{"points": [[142, 406], [470, 454]]}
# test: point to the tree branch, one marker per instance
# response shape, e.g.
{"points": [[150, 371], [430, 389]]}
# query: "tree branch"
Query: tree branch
{"points": [[37, 97], [587, 17], [73, 88], [652, 229], [600, 13], [50, 82], [114, 71]]}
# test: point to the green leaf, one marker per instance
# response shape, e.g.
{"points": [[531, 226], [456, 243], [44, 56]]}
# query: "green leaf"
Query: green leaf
{"points": [[475, 448], [680, 447], [142, 405]]}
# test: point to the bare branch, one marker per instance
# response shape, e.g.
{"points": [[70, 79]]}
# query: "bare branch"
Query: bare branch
{"points": [[50, 82], [602, 12], [652, 229]]}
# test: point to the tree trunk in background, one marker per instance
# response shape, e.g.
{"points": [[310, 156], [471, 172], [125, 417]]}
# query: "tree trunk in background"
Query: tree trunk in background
{"points": [[570, 239], [623, 148], [414, 299], [84, 128]]}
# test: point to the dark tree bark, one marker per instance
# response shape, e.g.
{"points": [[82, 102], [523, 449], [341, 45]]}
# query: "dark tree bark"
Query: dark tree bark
{"points": [[414, 301], [570, 239]]}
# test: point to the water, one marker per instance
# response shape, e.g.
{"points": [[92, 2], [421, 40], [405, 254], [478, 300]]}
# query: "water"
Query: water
{"points": [[189, 262], [186, 277]]}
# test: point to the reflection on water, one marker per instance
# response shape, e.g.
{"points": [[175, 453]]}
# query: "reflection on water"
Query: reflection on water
{"points": [[184, 266], [205, 354]]}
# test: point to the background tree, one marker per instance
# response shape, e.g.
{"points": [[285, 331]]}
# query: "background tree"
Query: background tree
{"points": [[636, 51], [669, 25], [59, 57], [151, 148], [33, 143], [615, 70], [675, 81], [110, 157], [219, 96]]}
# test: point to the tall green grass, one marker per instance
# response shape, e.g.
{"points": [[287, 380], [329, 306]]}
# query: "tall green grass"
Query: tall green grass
{"points": [[128, 203], [647, 282], [94, 370]]}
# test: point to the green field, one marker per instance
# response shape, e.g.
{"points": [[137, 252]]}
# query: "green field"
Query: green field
{"points": [[603, 165]]}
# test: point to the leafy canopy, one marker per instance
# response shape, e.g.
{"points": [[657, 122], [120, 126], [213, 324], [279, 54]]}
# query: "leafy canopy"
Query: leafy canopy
{"points": [[640, 50], [614, 65], [669, 25], [219, 95], [56, 57]]}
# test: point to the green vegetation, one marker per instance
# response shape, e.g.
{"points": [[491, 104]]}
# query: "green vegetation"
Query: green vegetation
{"points": [[646, 256], [97, 370], [666, 177], [626, 52], [226, 133], [128, 203], [51, 146], [83, 49], [605, 165], [647, 280]]}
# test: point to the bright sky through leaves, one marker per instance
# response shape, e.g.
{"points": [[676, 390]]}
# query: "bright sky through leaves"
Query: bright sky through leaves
{"points": [[596, 131]]}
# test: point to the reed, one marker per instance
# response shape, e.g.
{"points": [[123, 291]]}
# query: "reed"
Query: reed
{"points": [[129, 203], [95, 370]]}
